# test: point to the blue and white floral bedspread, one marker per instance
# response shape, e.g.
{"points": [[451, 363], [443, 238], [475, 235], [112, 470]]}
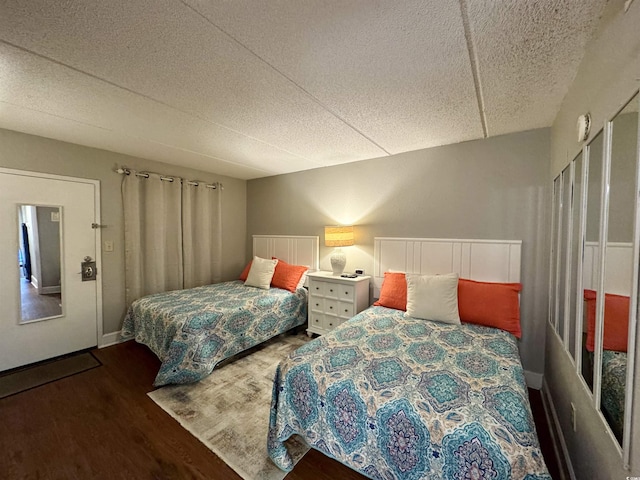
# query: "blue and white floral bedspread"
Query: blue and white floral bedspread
{"points": [[193, 330], [614, 379], [395, 397]]}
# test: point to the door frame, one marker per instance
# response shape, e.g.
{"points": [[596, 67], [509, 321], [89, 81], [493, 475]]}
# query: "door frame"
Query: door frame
{"points": [[98, 237]]}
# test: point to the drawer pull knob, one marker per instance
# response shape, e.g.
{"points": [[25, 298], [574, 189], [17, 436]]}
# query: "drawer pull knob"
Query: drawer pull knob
{"points": [[317, 304], [346, 293], [331, 290], [316, 320], [330, 308], [346, 310], [331, 324]]}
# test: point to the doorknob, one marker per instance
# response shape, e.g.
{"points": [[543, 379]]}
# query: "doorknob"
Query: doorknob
{"points": [[88, 269]]}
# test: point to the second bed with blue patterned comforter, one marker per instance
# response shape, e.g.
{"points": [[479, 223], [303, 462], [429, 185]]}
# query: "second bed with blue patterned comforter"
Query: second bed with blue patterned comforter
{"points": [[614, 379], [396, 397], [193, 330]]}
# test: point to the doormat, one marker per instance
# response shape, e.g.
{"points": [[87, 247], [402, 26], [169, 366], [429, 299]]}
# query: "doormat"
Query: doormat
{"points": [[25, 378], [229, 410]]}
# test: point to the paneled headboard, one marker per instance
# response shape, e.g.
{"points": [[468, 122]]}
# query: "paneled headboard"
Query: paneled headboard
{"points": [[483, 260], [297, 250], [618, 271]]}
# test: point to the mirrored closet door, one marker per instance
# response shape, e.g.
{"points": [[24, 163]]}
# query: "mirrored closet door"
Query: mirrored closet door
{"points": [[591, 262], [613, 309], [574, 267], [595, 263], [563, 250], [553, 264]]}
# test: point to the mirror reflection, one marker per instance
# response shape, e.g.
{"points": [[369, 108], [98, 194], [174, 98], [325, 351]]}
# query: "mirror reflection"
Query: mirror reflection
{"points": [[618, 278], [562, 250], [39, 262], [576, 244], [553, 317], [591, 264]]}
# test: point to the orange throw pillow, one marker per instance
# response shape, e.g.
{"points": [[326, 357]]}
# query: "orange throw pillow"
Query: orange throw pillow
{"points": [[287, 276], [393, 293], [245, 272], [490, 304], [616, 321]]}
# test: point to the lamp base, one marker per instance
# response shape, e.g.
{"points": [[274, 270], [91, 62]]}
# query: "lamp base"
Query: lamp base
{"points": [[338, 261]]}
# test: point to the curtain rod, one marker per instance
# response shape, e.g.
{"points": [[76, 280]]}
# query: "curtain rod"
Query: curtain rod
{"points": [[195, 183]]}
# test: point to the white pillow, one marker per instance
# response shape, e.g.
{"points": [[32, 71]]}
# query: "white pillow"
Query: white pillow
{"points": [[303, 280], [433, 297], [261, 273]]}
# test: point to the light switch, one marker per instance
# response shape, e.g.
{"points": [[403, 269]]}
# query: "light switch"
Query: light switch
{"points": [[108, 245]]}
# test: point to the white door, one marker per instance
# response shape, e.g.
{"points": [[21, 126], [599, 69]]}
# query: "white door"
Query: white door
{"points": [[75, 326]]}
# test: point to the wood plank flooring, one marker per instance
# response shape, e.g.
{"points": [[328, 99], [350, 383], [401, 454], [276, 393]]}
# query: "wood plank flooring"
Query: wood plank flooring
{"points": [[35, 305], [100, 424]]}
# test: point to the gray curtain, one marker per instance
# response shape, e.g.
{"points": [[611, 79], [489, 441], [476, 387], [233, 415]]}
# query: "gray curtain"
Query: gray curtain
{"points": [[173, 234], [201, 234], [153, 235]]}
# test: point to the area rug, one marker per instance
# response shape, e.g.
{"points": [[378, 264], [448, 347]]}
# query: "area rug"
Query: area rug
{"points": [[32, 376], [228, 411]]}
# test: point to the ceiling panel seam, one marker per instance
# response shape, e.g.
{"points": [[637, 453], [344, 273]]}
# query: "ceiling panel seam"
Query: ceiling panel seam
{"points": [[473, 59], [79, 122], [87, 124], [289, 79], [147, 97]]}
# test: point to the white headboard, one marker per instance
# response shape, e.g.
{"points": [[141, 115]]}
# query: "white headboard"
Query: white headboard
{"points": [[483, 260], [618, 270], [297, 250]]}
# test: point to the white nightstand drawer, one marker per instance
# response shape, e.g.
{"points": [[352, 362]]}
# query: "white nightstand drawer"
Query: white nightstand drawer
{"points": [[316, 320], [331, 322], [331, 290], [330, 306], [346, 292], [346, 309], [316, 287], [316, 303]]}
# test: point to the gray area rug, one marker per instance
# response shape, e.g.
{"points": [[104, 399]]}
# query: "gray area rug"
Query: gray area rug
{"points": [[32, 376], [228, 411]]}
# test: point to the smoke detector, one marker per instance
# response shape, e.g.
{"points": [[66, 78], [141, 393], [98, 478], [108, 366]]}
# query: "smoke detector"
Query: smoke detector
{"points": [[584, 126]]}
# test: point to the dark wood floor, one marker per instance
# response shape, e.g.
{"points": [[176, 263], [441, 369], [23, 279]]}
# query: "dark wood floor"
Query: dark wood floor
{"points": [[101, 424], [35, 305]]}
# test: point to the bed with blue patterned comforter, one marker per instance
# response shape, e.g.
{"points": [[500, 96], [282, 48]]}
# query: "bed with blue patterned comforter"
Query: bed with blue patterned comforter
{"points": [[193, 330], [614, 380], [396, 397]]}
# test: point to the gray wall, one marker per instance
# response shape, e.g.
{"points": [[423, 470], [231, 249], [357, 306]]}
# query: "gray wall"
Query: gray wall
{"points": [[493, 189], [49, 242], [28, 152], [605, 81]]}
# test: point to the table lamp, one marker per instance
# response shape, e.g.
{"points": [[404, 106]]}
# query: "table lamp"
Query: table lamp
{"points": [[338, 236]]}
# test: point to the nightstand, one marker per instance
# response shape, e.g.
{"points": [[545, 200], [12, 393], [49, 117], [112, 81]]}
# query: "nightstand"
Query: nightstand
{"points": [[334, 299]]}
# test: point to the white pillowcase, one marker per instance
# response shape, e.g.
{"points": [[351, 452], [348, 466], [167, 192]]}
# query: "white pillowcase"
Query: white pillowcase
{"points": [[261, 273], [433, 297], [303, 280]]}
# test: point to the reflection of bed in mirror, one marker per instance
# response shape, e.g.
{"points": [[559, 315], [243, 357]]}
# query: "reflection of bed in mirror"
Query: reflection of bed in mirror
{"points": [[616, 319]]}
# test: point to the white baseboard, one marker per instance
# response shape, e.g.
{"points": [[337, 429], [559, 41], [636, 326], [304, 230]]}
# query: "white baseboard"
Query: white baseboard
{"points": [[113, 338], [50, 290], [534, 380], [556, 434]]}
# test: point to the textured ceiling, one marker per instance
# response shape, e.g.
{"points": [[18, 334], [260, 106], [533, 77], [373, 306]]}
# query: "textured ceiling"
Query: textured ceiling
{"points": [[255, 88]]}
